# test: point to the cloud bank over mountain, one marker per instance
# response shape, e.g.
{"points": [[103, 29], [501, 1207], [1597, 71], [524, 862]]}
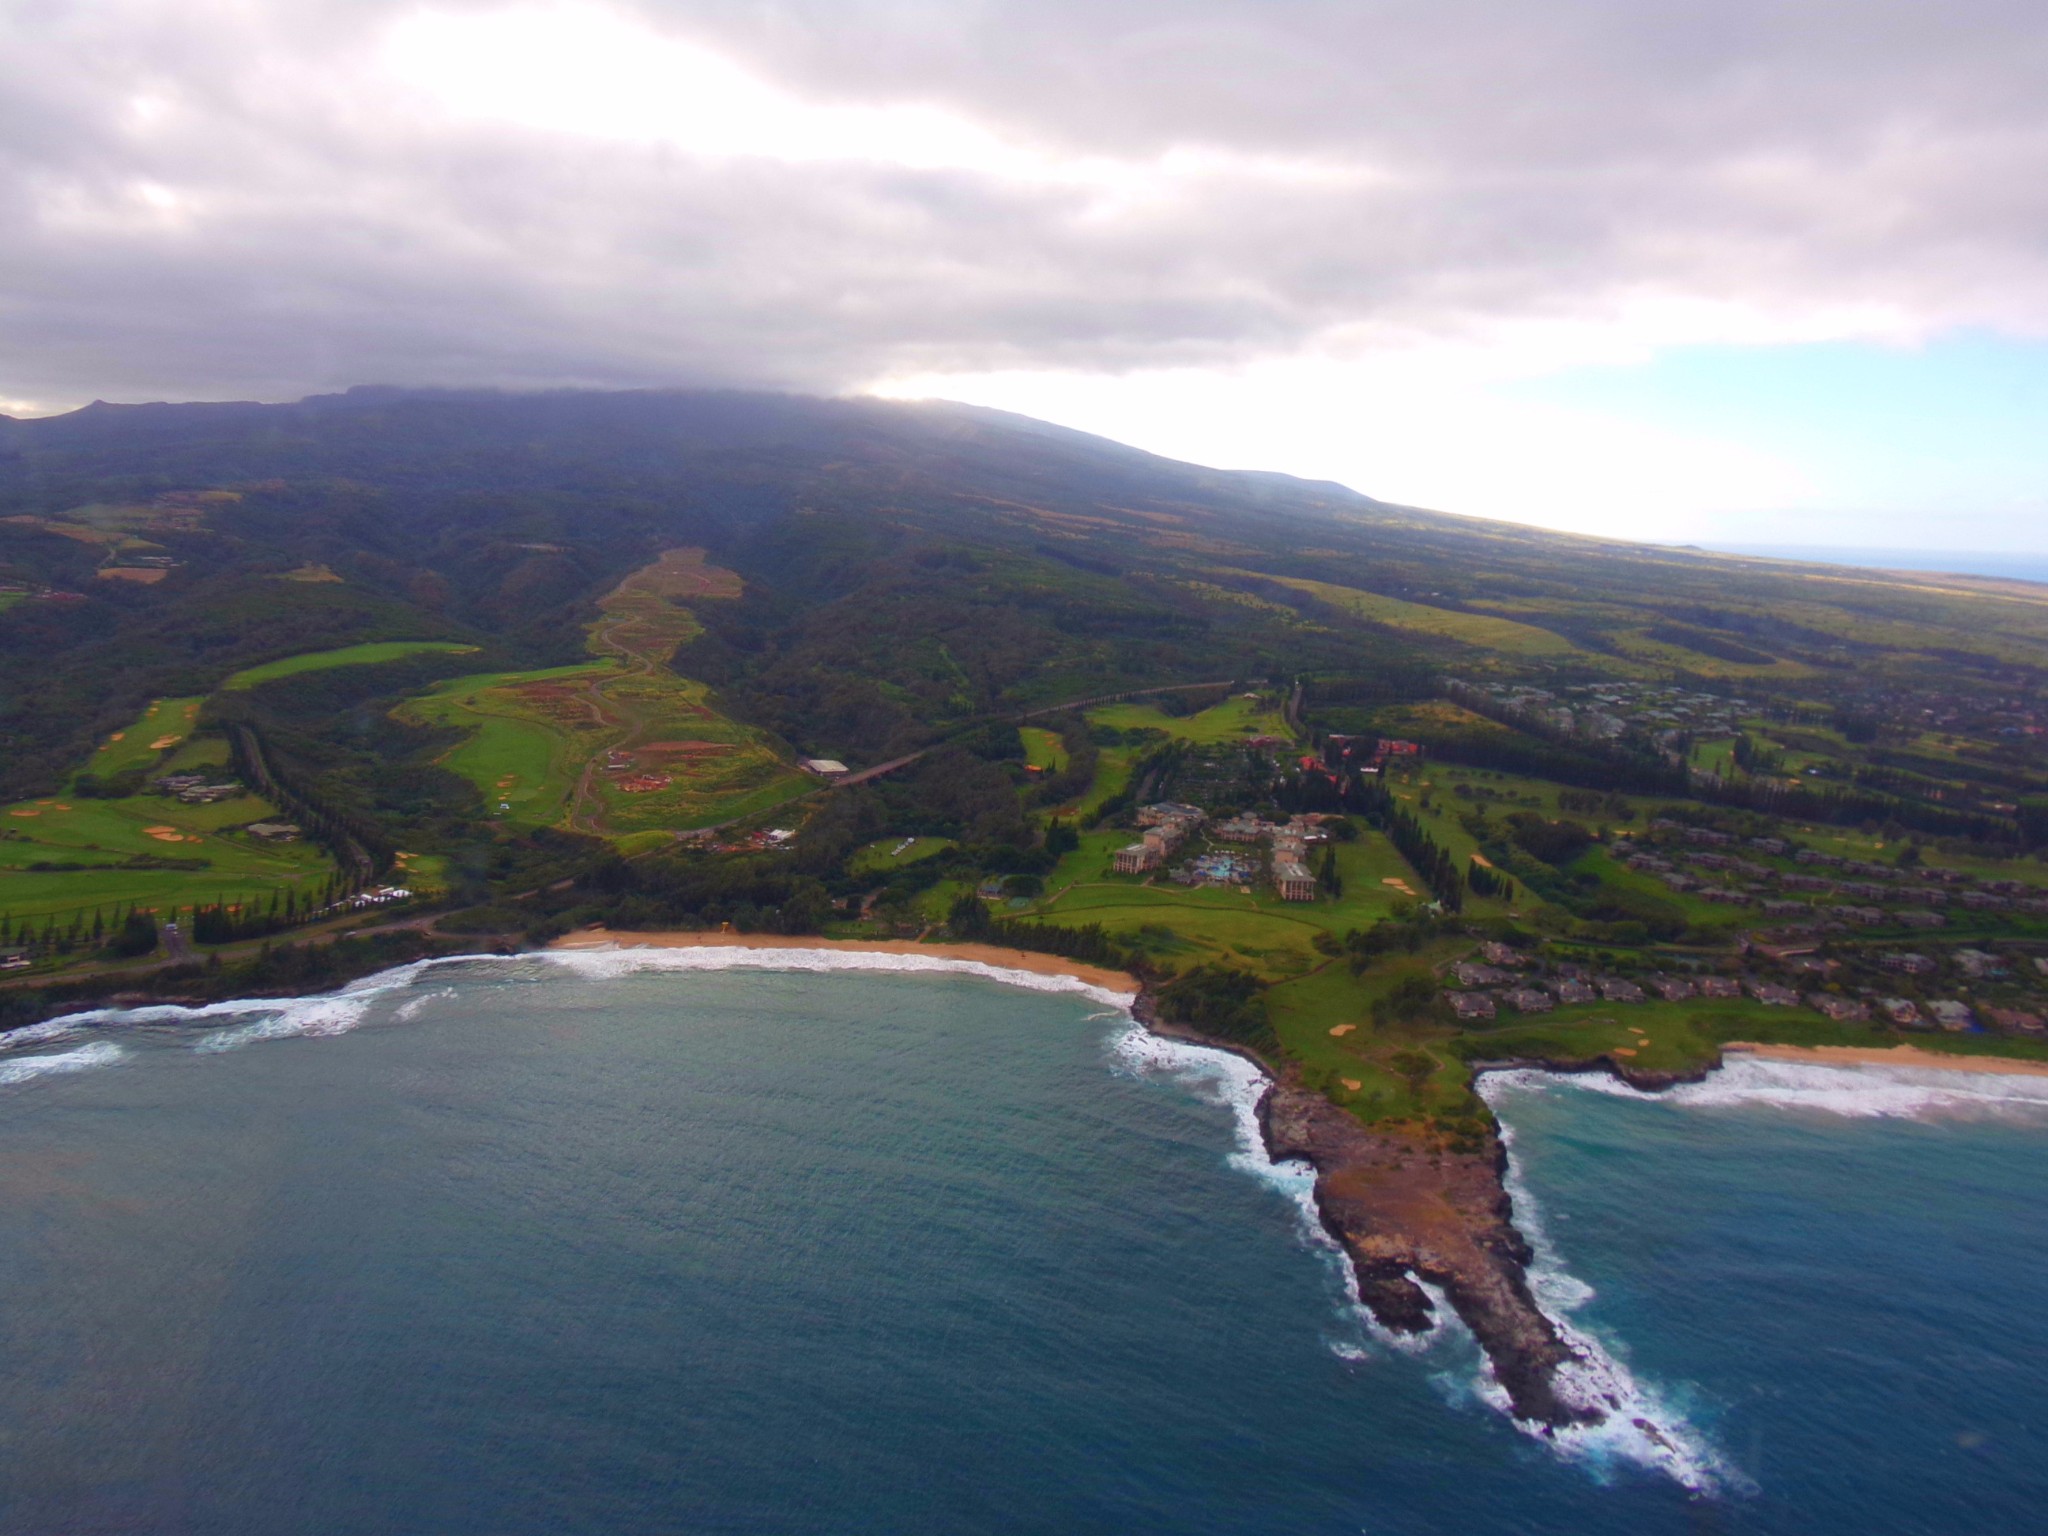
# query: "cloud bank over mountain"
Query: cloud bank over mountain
{"points": [[1352, 218], [225, 198]]}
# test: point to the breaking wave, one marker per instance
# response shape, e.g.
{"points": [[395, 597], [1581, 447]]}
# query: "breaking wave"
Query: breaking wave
{"points": [[1229, 1080], [1851, 1090], [100, 1053], [1644, 1426], [1641, 1427], [219, 1026], [394, 996], [623, 961]]}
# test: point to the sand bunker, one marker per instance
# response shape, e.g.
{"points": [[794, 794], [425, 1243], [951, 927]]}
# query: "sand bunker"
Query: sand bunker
{"points": [[1352, 1083], [165, 834], [164, 741], [117, 736], [1343, 1029], [1399, 884], [24, 813]]}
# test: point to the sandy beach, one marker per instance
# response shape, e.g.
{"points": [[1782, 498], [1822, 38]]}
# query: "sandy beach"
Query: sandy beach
{"points": [[986, 954], [1896, 1056]]}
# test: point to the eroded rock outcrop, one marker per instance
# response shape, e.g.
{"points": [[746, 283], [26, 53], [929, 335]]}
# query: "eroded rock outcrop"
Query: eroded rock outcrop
{"points": [[1403, 1208]]}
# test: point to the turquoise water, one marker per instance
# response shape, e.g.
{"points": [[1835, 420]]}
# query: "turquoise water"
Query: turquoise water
{"points": [[549, 1246]]}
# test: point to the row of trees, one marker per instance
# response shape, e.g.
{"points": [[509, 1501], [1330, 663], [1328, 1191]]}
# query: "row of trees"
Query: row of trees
{"points": [[1488, 881], [1428, 857], [969, 918], [129, 930], [358, 844]]}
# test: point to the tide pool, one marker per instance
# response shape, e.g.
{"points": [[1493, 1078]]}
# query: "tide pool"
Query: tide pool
{"points": [[551, 1245]]}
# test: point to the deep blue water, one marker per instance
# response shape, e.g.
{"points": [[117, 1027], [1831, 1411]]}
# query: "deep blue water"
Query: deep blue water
{"points": [[512, 1249], [2007, 564]]}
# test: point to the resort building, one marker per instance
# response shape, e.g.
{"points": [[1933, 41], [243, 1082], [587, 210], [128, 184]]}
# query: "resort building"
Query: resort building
{"points": [[1135, 859], [1170, 813], [1952, 1015], [1293, 881]]}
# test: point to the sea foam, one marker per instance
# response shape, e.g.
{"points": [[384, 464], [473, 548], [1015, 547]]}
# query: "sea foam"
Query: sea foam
{"points": [[248, 1021], [100, 1053], [240, 1021], [621, 960], [1231, 1081], [1640, 1427], [1853, 1090]]}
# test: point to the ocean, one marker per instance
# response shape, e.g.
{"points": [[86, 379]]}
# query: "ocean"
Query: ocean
{"points": [[2005, 564], [621, 1243]]}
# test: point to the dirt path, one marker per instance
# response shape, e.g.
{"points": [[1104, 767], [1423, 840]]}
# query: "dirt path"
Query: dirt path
{"points": [[585, 809]]}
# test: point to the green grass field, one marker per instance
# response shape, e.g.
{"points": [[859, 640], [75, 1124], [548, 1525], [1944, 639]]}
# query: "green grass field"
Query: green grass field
{"points": [[1395, 1072], [1716, 756], [1475, 629], [164, 725], [1232, 720], [1043, 749], [100, 834], [1275, 937], [1641, 646], [346, 656], [525, 763], [889, 853], [536, 742]]}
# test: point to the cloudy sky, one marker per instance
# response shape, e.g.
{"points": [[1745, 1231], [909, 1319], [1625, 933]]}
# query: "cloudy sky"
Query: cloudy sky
{"points": [[1738, 270]]}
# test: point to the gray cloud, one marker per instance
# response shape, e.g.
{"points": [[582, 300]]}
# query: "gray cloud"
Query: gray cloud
{"points": [[229, 199]]}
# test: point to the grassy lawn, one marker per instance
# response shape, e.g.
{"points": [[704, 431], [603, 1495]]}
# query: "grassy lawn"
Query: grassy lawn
{"points": [[1112, 774], [346, 656], [523, 758], [1274, 937], [1323, 1019], [1475, 629], [896, 853], [164, 725], [1232, 720], [1390, 1072], [1716, 756], [102, 833], [1043, 749], [1640, 646]]}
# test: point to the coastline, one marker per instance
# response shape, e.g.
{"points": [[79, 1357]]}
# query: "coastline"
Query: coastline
{"points": [[1121, 982], [1894, 1056], [1426, 1230]]}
